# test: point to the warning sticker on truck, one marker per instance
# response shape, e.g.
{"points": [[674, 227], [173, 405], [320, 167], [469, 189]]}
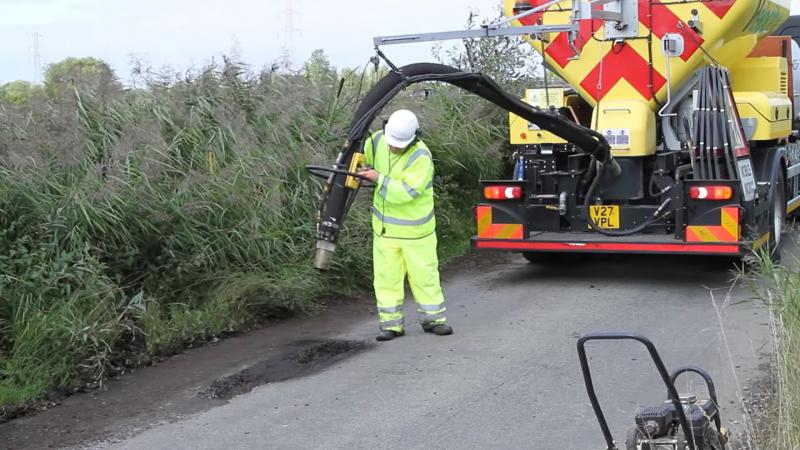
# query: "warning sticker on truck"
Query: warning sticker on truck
{"points": [[545, 98], [618, 137]]}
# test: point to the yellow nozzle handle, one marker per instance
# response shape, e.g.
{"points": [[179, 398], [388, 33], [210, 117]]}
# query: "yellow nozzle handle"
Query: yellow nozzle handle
{"points": [[355, 164]]}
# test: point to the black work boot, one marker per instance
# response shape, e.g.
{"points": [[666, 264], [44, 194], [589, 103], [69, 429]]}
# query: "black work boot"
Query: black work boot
{"points": [[388, 335], [439, 329]]}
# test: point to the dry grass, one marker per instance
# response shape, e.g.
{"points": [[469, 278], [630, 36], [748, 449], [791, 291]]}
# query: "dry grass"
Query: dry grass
{"points": [[135, 221], [778, 285]]}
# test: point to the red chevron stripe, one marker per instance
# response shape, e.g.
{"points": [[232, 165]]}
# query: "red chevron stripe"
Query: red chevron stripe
{"points": [[665, 21], [623, 64], [559, 49], [533, 19], [627, 63], [719, 7]]}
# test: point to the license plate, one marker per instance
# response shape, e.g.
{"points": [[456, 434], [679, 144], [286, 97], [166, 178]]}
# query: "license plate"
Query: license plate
{"points": [[605, 216], [748, 180]]}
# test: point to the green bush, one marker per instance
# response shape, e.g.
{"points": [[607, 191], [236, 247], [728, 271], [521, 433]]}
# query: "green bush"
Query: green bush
{"points": [[136, 221]]}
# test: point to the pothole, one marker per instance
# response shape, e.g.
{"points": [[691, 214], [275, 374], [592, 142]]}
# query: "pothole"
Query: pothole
{"points": [[301, 359]]}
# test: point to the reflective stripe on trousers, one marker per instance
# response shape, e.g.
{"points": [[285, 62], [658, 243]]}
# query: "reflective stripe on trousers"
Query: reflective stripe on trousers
{"points": [[431, 313], [396, 324], [393, 261]]}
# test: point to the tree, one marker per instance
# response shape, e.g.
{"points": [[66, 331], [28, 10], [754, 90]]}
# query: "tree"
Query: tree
{"points": [[318, 67], [508, 60], [17, 92], [87, 73]]}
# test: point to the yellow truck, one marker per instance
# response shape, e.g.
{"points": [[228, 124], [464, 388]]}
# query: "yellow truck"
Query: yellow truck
{"points": [[677, 133], [699, 104]]}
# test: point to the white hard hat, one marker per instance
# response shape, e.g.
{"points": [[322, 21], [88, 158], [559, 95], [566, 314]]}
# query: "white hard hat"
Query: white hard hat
{"points": [[401, 128]]}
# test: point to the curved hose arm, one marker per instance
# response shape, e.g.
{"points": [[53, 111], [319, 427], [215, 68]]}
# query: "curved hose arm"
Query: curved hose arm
{"points": [[336, 196]]}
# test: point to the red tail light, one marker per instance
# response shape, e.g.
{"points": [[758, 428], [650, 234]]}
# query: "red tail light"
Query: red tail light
{"points": [[502, 192], [710, 192]]}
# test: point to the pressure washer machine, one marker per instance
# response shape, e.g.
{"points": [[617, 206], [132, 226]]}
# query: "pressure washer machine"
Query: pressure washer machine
{"points": [[681, 423]]}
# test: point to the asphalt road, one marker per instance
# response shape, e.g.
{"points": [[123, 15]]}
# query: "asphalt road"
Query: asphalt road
{"points": [[509, 376]]}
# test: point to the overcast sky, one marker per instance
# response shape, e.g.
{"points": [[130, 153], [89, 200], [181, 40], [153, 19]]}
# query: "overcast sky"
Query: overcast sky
{"points": [[183, 33]]}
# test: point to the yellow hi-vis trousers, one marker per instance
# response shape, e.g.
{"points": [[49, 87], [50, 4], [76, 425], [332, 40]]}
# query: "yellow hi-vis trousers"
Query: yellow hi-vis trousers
{"points": [[392, 260]]}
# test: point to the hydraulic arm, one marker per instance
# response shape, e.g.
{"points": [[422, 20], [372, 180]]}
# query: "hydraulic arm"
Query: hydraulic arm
{"points": [[337, 196]]}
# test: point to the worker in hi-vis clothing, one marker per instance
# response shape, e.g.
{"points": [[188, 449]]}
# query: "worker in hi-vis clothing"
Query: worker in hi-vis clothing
{"points": [[404, 226]]}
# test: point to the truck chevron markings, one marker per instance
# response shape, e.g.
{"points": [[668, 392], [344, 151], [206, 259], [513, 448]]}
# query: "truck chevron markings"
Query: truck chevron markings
{"points": [[662, 21], [726, 231], [665, 21], [720, 7], [489, 230], [559, 49], [626, 64]]}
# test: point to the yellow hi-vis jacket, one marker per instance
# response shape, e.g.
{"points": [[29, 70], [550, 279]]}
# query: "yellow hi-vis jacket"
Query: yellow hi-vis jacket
{"points": [[403, 202]]}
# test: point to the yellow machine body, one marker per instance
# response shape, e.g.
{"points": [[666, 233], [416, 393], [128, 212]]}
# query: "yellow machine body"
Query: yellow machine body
{"points": [[631, 74], [602, 70], [761, 74], [628, 125], [771, 112], [522, 132], [761, 90]]}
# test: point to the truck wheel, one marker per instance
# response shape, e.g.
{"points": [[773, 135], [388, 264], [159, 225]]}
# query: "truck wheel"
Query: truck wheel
{"points": [[534, 258], [777, 218]]}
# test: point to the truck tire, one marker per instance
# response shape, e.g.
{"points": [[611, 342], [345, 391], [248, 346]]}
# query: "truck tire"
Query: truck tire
{"points": [[535, 257], [548, 258], [777, 217]]}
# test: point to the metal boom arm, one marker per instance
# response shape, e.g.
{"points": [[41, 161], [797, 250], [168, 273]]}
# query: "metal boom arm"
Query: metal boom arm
{"points": [[483, 32]]}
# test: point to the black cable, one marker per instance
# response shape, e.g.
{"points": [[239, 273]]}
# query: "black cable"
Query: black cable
{"points": [[331, 172], [318, 171], [600, 172], [650, 56], [697, 150], [361, 81], [587, 203], [395, 69], [722, 120], [587, 139], [700, 46], [336, 197], [544, 71], [650, 186]]}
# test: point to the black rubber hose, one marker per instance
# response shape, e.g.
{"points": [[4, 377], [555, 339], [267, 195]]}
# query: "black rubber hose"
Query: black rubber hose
{"points": [[587, 139], [324, 172], [336, 195], [587, 203], [700, 141], [714, 122]]}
